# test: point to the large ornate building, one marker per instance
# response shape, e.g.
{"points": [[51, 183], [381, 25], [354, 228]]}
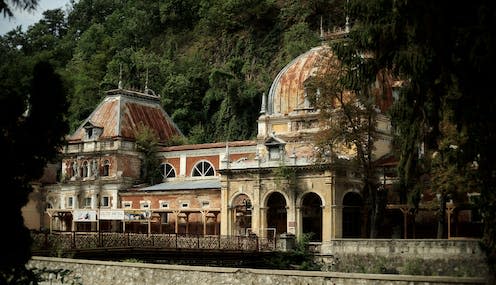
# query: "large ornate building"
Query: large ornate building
{"points": [[268, 186]]}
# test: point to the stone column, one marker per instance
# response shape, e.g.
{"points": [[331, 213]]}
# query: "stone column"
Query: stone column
{"points": [[299, 222], [204, 214], [176, 226], [255, 212], [338, 221], [93, 200], [291, 217], [263, 221], [75, 201], [187, 222], [182, 165], [225, 213], [327, 223], [115, 200]]}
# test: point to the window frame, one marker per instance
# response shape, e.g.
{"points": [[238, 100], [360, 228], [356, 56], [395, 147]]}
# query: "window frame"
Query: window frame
{"points": [[87, 201], [70, 202], [102, 204], [166, 174], [202, 171], [164, 204], [147, 203]]}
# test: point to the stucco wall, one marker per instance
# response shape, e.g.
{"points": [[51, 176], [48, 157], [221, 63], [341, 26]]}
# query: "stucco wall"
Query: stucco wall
{"points": [[116, 273]]}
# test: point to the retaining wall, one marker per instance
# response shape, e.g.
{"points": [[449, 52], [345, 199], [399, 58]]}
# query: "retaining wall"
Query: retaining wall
{"points": [[453, 257], [91, 272]]}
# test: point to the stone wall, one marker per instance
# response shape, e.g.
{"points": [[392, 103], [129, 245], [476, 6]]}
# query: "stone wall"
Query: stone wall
{"points": [[444, 257], [90, 272]]}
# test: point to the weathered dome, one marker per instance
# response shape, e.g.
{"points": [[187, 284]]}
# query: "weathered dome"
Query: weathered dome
{"points": [[287, 92]]}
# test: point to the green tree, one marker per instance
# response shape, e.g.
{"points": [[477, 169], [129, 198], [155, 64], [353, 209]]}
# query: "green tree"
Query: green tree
{"points": [[86, 71], [6, 6], [33, 126], [147, 144], [451, 177], [348, 117], [445, 52]]}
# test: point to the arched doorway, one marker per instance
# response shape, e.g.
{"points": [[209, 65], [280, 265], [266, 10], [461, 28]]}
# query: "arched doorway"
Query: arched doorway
{"points": [[242, 214], [276, 213], [311, 213], [352, 215]]}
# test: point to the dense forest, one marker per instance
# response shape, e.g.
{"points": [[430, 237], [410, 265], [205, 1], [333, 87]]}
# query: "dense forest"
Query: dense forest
{"points": [[210, 61]]}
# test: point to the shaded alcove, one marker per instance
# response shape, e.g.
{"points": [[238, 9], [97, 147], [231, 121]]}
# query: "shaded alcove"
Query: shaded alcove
{"points": [[242, 214], [311, 213], [277, 213], [352, 215]]}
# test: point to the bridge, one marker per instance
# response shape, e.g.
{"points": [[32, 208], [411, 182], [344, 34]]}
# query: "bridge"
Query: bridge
{"points": [[92, 240], [157, 248]]}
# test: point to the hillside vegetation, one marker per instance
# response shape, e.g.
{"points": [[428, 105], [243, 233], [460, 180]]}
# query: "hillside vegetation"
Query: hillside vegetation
{"points": [[210, 61]]}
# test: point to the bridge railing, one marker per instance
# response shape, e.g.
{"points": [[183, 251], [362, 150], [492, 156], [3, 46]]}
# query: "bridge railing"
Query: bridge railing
{"points": [[88, 240]]}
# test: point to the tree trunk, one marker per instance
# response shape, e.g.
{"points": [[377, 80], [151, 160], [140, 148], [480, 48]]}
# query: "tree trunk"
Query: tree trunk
{"points": [[378, 207]]}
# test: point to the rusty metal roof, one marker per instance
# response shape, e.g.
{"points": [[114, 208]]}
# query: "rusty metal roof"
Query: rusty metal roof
{"points": [[287, 91], [121, 113]]}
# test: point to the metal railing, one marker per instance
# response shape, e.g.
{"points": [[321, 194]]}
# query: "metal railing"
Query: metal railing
{"points": [[90, 240]]}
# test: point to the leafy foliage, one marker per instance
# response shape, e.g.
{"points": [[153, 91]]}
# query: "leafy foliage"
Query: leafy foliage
{"points": [[444, 57], [209, 60], [32, 127], [348, 117], [299, 258], [6, 7], [147, 145]]}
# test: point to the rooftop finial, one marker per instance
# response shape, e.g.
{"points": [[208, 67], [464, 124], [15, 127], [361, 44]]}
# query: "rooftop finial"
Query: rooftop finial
{"points": [[264, 103], [120, 77], [347, 24]]}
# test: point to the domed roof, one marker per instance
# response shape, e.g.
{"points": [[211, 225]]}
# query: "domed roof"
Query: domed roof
{"points": [[287, 92]]}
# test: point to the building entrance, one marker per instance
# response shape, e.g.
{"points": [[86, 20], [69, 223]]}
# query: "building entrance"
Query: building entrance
{"points": [[242, 214], [276, 213]]}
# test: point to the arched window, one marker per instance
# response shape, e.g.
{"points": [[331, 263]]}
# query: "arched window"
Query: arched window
{"points": [[106, 168], [203, 168], [167, 170]]}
